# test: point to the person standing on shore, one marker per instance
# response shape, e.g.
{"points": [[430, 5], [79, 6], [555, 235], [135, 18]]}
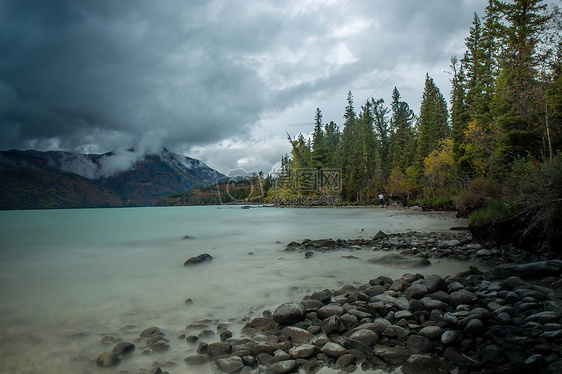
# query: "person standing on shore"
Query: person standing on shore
{"points": [[381, 199]]}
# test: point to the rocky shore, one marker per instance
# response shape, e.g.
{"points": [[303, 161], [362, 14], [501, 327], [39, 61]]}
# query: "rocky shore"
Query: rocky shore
{"points": [[503, 315]]}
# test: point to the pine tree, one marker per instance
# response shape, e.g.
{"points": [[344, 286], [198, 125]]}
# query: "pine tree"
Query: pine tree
{"points": [[402, 138], [473, 88], [319, 146], [516, 107], [382, 145], [366, 148], [433, 124], [349, 160], [332, 137], [459, 113]]}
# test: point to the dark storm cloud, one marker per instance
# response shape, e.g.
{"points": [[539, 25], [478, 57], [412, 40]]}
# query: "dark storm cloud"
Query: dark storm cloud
{"points": [[70, 69], [93, 76]]}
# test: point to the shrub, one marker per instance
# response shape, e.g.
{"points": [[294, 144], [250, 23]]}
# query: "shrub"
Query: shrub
{"points": [[493, 210], [477, 195]]}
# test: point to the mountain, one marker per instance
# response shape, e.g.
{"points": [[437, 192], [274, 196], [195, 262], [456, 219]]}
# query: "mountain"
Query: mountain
{"points": [[55, 179]]}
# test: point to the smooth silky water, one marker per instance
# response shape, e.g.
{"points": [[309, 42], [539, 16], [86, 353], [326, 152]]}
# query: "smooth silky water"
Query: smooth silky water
{"points": [[92, 272]]}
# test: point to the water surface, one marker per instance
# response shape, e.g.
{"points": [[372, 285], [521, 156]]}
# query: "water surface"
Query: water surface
{"points": [[100, 271]]}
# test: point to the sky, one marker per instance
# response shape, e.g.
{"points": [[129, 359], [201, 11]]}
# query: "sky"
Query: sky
{"points": [[220, 81]]}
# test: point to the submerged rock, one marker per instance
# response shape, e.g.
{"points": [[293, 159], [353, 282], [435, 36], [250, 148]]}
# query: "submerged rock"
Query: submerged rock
{"points": [[108, 359], [398, 260], [205, 257], [123, 348]]}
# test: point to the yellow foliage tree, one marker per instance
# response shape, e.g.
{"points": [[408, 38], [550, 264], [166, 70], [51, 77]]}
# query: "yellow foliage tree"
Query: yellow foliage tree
{"points": [[400, 183], [479, 148], [440, 171]]}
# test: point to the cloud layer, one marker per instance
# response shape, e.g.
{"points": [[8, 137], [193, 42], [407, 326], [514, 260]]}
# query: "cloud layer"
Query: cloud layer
{"points": [[222, 80]]}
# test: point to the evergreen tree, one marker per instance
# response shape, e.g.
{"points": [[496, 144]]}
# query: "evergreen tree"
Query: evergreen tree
{"points": [[332, 137], [433, 124], [516, 106], [382, 142], [473, 129], [459, 113], [319, 146], [366, 148], [302, 155], [402, 142], [349, 161], [553, 107]]}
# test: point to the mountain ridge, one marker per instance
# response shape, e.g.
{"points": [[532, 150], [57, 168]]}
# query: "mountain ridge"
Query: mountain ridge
{"points": [[58, 179]]}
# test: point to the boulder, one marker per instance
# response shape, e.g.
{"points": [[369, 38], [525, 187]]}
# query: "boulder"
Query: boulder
{"points": [[400, 302], [391, 355], [431, 332], [289, 313], [334, 350], [123, 348], [230, 364], [434, 283], [160, 346], [324, 296], [539, 269], [108, 359], [420, 343], [450, 337], [219, 349], [198, 359], [462, 297], [330, 310], [198, 259], [297, 335], [331, 325], [417, 291], [151, 332], [421, 364], [282, 367], [380, 235], [365, 336], [303, 351], [394, 331]]}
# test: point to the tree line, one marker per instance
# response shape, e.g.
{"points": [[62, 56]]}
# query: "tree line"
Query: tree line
{"points": [[500, 133]]}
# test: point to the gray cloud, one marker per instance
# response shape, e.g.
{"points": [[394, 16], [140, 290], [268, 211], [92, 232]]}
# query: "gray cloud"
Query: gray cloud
{"points": [[92, 76]]}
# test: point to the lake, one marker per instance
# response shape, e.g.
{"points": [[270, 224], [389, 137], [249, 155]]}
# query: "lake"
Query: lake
{"points": [[69, 277]]}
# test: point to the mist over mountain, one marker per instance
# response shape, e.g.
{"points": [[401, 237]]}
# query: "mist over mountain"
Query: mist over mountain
{"points": [[133, 177]]}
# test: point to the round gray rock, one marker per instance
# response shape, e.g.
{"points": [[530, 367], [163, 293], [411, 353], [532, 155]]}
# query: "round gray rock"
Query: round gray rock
{"points": [[289, 313], [334, 350], [330, 310], [197, 360], [108, 359], [303, 351], [417, 291], [462, 297], [230, 364], [431, 332], [151, 332], [282, 367], [365, 336], [123, 348]]}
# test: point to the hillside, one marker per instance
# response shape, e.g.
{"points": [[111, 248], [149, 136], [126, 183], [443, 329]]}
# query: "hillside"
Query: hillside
{"points": [[221, 193], [39, 180]]}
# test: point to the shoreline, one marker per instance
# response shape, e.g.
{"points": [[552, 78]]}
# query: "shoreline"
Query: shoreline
{"points": [[507, 318]]}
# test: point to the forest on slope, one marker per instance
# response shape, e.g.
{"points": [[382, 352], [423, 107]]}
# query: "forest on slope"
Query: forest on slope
{"points": [[494, 153]]}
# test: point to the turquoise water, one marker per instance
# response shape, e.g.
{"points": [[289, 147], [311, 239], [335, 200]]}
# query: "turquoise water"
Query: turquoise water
{"points": [[97, 270]]}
